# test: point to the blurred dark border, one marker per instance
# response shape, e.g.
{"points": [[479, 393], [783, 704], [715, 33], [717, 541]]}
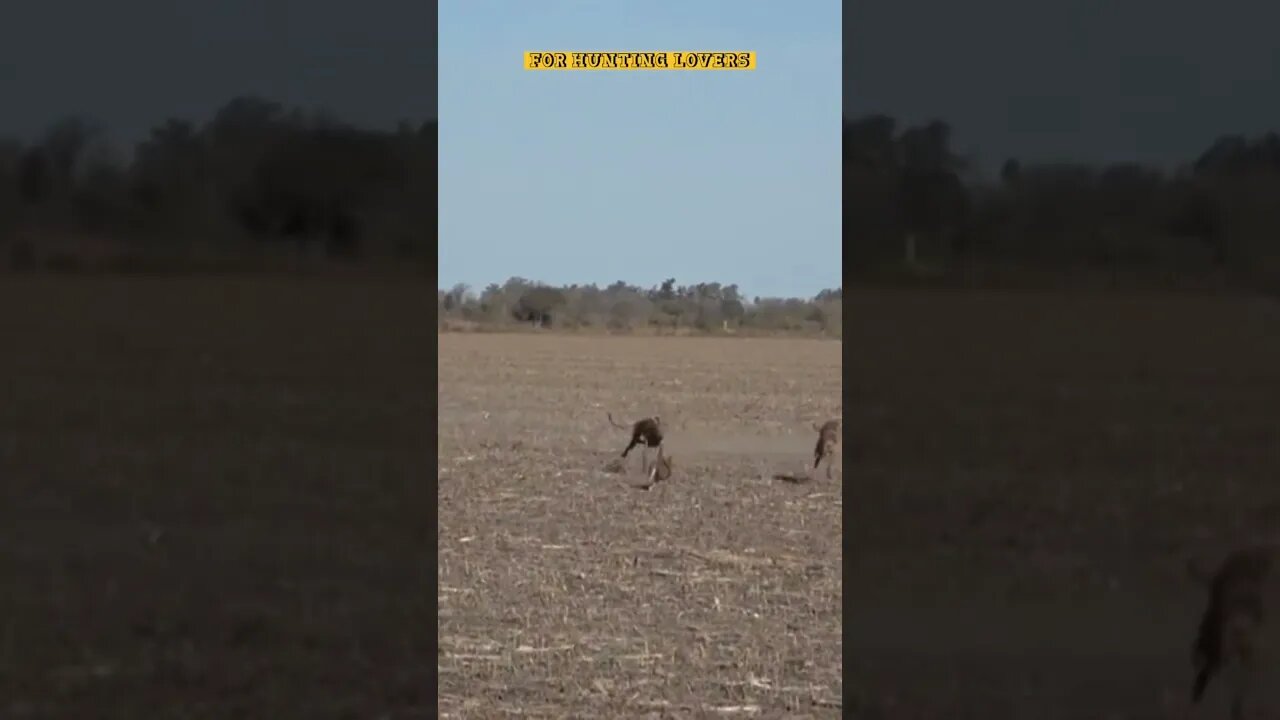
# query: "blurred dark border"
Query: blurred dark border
{"points": [[199, 462], [848, 441]]}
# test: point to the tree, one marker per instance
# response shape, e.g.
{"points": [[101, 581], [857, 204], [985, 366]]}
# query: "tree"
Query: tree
{"points": [[65, 144], [666, 292], [708, 315], [869, 144], [621, 315], [538, 305], [732, 309], [926, 150]]}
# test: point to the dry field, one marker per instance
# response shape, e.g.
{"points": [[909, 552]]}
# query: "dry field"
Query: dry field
{"points": [[566, 592], [1033, 471], [212, 499]]}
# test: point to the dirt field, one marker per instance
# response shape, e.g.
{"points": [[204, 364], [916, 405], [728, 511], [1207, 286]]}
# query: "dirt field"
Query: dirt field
{"points": [[212, 490], [566, 592], [1032, 473], [212, 499]]}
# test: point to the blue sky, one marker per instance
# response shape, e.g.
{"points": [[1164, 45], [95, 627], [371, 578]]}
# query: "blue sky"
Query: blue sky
{"points": [[581, 177]]}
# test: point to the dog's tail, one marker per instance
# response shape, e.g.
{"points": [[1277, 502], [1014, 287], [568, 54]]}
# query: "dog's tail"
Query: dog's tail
{"points": [[615, 423]]}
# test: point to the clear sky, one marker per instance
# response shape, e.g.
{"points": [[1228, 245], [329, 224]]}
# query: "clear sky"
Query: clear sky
{"points": [[582, 177]]}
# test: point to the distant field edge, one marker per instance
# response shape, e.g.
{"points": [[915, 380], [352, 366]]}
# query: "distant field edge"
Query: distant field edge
{"points": [[1244, 281], [478, 329]]}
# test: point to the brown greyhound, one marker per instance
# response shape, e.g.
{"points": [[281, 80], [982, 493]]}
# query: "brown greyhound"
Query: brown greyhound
{"points": [[828, 441], [646, 432]]}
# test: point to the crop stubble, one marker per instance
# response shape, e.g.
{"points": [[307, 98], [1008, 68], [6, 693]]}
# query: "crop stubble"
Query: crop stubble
{"points": [[565, 592]]}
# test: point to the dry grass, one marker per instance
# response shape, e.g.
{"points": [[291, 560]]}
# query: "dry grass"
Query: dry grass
{"points": [[212, 496], [1033, 472], [565, 592]]}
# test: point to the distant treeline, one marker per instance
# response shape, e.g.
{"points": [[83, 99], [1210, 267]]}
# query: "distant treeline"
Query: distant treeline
{"points": [[258, 180], [913, 209], [666, 308]]}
